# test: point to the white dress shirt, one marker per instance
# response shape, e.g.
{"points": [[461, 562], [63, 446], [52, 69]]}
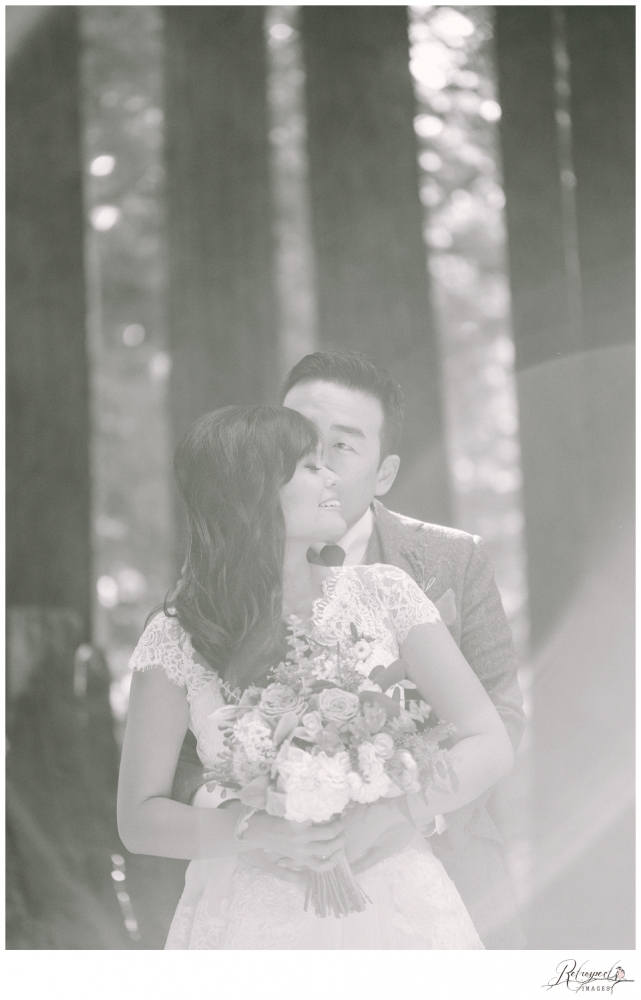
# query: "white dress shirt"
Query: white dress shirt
{"points": [[355, 540]]}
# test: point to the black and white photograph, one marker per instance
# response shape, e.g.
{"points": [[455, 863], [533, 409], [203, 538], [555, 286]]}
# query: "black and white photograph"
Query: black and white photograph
{"points": [[320, 508]]}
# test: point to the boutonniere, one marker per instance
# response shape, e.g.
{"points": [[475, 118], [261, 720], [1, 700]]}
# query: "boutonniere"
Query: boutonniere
{"points": [[446, 604], [419, 572]]}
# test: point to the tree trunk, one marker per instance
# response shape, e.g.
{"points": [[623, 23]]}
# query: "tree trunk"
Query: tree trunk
{"points": [[48, 485], [601, 47], [552, 432], [367, 218], [222, 313]]}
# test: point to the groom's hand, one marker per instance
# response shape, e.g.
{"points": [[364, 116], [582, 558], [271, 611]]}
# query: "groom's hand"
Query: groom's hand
{"points": [[390, 842], [373, 832], [281, 867]]}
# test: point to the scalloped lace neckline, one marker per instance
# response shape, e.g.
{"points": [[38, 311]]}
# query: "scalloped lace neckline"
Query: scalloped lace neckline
{"points": [[311, 622]]}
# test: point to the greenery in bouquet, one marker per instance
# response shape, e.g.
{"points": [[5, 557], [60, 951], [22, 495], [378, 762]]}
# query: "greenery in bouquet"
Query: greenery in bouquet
{"points": [[325, 733]]}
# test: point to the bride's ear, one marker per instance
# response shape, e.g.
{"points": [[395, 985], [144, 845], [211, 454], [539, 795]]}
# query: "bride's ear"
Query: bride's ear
{"points": [[386, 474]]}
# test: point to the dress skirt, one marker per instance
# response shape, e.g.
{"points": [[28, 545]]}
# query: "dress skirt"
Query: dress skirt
{"points": [[230, 904]]}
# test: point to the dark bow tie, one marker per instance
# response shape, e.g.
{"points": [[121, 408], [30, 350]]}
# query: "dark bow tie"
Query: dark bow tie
{"points": [[329, 555]]}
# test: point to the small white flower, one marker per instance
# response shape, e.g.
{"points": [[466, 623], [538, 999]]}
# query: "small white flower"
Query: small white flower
{"points": [[373, 782], [255, 738], [419, 710], [361, 649], [368, 685], [323, 668], [404, 723]]}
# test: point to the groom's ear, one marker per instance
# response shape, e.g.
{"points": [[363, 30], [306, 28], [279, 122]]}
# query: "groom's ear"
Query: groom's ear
{"points": [[386, 474]]}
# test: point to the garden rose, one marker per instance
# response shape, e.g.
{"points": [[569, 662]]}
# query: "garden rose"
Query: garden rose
{"points": [[312, 723], [384, 745], [338, 706], [276, 699]]}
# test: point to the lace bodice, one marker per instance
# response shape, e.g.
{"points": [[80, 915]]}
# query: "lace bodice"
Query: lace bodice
{"points": [[383, 602]]}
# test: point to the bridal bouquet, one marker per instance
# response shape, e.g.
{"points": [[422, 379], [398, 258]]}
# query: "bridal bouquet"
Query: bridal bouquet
{"points": [[324, 733]]}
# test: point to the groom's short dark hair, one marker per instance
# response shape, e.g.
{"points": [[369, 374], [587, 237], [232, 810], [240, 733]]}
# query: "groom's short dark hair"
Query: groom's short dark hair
{"points": [[355, 371]]}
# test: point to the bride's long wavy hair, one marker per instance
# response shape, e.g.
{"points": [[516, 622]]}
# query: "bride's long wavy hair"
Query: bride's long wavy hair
{"points": [[230, 467]]}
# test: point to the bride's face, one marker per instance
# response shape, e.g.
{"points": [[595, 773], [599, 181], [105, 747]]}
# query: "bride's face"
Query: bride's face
{"points": [[310, 503]]}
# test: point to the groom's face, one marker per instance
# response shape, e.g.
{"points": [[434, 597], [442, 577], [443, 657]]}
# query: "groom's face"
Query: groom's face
{"points": [[350, 424]]}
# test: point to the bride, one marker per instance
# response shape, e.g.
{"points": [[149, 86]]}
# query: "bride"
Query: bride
{"points": [[257, 497]]}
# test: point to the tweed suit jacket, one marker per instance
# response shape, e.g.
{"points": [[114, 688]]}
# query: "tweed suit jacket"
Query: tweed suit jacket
{"points": [[453, 569], [444, 559]]}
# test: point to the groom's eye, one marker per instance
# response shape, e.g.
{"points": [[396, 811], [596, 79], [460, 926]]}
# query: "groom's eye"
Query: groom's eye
{"points": [[343, 446]]}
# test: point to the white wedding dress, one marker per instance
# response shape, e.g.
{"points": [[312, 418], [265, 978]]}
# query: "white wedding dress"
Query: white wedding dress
{"points": [[229, 904]]}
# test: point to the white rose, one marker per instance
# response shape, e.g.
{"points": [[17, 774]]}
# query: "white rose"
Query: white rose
{"points": [[384, 745]]}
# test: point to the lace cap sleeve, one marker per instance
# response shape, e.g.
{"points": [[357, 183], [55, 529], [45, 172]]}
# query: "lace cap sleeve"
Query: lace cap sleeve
{"points": [[407, 604], [164, 643]]}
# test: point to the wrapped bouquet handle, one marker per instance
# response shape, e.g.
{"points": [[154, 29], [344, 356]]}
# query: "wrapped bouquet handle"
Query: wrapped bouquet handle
{"points": [[336, 892]]}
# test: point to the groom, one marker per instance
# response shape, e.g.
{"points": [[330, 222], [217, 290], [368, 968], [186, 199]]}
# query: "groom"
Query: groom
{"points": [[358, 410]]}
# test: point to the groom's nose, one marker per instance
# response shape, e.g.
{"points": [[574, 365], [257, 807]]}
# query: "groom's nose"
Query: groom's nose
{"points": [[326, 456]]}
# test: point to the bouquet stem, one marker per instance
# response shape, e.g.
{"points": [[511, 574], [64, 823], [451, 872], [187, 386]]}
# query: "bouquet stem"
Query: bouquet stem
{"points": [[336, 892]]}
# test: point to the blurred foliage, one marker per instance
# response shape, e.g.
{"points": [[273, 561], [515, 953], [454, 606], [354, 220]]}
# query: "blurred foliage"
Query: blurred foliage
{"points": [[126, 276], [292, 212], [452, 65]]}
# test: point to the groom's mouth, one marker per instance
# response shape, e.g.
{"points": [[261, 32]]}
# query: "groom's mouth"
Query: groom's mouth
{"points": [[330, 503]]}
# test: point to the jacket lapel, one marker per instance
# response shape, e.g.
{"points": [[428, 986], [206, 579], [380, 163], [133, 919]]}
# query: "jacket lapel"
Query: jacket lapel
{"points": [[393, 542], [401, 541], [374, 552]]}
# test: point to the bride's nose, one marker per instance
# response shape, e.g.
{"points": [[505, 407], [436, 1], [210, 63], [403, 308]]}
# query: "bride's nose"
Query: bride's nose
{"points": [[331, 479]]}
